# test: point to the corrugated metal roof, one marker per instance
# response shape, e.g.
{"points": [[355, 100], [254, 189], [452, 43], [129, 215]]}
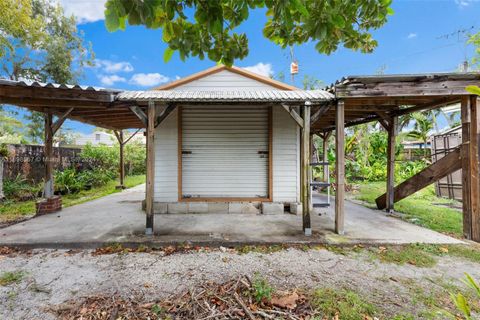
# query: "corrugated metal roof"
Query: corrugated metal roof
{"points": [[37, 84], [227, 96]]}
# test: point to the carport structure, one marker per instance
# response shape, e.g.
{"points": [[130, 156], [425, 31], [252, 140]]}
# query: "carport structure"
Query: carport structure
{"points": [[351, 101]]}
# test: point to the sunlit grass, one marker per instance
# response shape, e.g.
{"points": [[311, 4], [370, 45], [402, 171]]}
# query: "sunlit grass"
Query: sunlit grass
{"points": [[11, 211], [423, 208]]}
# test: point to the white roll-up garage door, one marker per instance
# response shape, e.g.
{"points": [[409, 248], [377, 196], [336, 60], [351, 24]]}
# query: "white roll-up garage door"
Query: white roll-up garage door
{"points": [[225, 152]]}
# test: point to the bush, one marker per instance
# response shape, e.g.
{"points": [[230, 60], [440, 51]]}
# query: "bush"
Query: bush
{"points": [[101, 156], [135, 157], [20, 189], [68, 181], [107, 158]]}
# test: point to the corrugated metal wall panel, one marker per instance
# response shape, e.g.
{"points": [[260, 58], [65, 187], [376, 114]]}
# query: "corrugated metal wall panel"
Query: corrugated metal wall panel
{"points": [[224, 142], [224, 81], [166, 160], [286, 152]]}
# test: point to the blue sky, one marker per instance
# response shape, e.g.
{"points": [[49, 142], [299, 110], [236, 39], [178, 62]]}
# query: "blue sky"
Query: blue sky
{"points": [[420, 37]]}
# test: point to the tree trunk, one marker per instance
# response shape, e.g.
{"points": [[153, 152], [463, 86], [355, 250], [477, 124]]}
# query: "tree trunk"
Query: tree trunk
{"points": [[2, 196]]}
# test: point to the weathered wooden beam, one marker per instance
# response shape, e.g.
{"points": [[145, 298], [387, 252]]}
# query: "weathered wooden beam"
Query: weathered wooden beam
{"points": [[340, 167], [121, 168], [470, 168], [426, 106], [325, 136], [140, 114], [294, 115], [48, 189], [392, 135], [446, 165], [150, 167], [53, 94], [425, 86], [307, 227], [52, 103], [320, 112], [61, 119], [164, 114]]}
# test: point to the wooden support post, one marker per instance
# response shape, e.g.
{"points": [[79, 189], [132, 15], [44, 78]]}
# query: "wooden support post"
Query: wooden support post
{"points": [[150, 167], [325, 137], [392, 135], [121, 169], [48, 187], [340, 167], [470, 168], [122, 142], [306, 171]]}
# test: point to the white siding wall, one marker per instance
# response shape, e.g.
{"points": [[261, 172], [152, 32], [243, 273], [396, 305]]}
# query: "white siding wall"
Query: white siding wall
{"points": [[286, 151], [286, 147], [166, 162], [224, 81]]}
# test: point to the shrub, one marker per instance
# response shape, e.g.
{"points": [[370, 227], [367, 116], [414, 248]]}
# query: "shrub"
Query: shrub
{"points": [[101, 156], [20, 189], [67, 181], [135, 157], [3, 151]]}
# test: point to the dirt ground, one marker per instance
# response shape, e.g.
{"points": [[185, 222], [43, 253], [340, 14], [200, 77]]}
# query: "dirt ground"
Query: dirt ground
{"points": [[52, 277]]}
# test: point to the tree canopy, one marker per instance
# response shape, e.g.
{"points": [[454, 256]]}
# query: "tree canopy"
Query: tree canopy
{"points": [[203, 28], [39, 42]]}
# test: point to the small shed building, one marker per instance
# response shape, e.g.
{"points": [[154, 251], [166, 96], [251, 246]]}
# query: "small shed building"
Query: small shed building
{"points": [[233, 158]]}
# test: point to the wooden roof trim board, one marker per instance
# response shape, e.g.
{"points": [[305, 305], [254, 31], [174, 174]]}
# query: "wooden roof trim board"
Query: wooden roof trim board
{"points": [[274, 83]]}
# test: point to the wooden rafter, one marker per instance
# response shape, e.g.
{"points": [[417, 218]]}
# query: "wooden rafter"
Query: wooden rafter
{"points": [[139, 113], [294, 115]]}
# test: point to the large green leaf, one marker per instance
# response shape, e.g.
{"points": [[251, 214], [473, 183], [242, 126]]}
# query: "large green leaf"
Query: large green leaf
{"points": [[167, 55]]}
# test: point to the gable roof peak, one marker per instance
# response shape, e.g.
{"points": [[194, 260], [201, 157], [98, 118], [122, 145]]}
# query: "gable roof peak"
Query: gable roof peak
{"points": [[220, 67]]}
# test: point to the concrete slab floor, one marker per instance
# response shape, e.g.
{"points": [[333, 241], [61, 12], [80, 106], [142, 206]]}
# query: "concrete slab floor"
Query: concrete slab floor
{"points": [[118, 218]]}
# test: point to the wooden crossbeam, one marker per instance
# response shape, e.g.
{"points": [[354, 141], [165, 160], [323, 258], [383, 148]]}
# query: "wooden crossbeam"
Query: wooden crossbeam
{"points": [[320, 112], [446, 165], [140, 114], [164, 114], [61, 119], [294, 115]]}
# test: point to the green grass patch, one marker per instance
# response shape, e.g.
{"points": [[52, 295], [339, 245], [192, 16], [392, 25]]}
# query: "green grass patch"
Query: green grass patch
{"points": [[409, 254], [10, 277], [423, 208], [341, 303], [11, 211]]}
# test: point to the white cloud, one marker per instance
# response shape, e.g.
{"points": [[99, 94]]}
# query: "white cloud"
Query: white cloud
{"points": [[148, 79], [85, 11], [412, 35], [113, 67], [464, 3], [263, 69], [111, 79]]}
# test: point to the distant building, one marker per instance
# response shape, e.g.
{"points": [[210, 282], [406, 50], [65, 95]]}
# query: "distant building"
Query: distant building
{"points": [[96, 138], [104, 138]]}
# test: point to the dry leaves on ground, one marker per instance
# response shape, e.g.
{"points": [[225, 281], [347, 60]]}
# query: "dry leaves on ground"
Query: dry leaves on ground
{"points": [[233, 299]]}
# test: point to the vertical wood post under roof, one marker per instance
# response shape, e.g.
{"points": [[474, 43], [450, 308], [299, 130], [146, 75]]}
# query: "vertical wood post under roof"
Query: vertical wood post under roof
{"points": [[307, 228], [150, 167], [470, 168], [340, 166]]}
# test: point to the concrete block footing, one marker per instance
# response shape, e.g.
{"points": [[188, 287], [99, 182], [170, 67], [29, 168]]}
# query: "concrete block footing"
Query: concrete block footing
{"points": [[296, 208], [177, 207], [223, 207], [243, 207], [307, 232], [197, 207], [273, 208], [148, 231]]}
